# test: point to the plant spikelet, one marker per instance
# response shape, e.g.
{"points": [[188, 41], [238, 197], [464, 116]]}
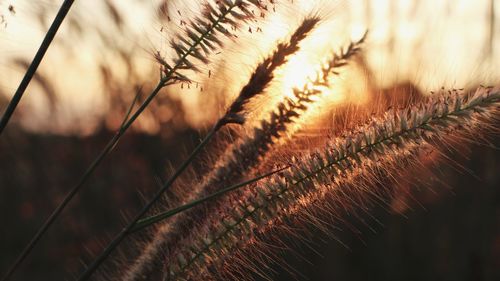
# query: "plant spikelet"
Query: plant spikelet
{"points": [[246, 155], [202, 35], [264, 73], [354, 160], [259, 80]]}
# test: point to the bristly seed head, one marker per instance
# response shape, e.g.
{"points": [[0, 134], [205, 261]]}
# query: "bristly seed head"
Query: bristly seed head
{"points": [[264, 73], [201, 36], [387, 141]]}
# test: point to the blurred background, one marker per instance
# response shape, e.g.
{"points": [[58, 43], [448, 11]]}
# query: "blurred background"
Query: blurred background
{"points": [[103, 55]]}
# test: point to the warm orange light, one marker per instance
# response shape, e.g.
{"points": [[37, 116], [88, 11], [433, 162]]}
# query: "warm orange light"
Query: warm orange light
{"points": [[298, 73]]}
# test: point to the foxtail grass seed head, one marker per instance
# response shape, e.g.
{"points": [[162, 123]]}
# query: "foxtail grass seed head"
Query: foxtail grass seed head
{"points": [[203, 36], [247, 154], [260, 79], [264, 73], [222, 230], [386, 141]]}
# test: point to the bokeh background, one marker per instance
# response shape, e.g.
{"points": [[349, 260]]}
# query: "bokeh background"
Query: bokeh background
{"points": [[103, 55]]}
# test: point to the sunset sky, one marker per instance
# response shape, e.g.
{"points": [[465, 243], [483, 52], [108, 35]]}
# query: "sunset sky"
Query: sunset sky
{"points": [[430, 43]]}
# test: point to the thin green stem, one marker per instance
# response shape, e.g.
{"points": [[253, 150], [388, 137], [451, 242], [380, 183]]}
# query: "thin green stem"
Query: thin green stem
{"points": [[141, 224]]}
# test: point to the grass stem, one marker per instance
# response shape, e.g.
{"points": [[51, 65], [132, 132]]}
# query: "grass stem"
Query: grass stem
{"points": [[30, 72], [146, 222]]}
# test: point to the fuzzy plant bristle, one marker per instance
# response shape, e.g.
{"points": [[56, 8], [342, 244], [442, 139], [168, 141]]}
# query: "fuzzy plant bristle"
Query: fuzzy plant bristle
{"points": [[258, 82], [200, 40], [245, 155], [387, 141], [264, 72], [203, 34]]}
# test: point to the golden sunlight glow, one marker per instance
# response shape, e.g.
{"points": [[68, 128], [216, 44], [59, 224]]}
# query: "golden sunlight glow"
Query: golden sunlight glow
{"points": [[299, 70], [428, 43]]}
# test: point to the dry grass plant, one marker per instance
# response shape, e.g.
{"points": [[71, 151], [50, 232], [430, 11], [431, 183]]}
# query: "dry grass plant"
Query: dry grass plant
{"points": [[235, 233]]}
